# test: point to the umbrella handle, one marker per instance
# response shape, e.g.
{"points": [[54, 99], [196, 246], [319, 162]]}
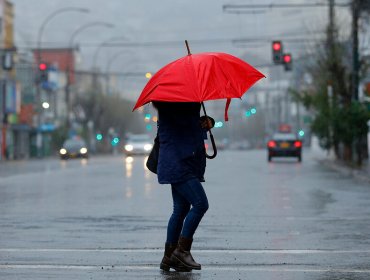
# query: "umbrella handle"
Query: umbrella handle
{"points": [[213, 147]]}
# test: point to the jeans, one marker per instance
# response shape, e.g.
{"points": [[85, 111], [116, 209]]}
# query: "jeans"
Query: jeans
{"points": [[186, 194]]}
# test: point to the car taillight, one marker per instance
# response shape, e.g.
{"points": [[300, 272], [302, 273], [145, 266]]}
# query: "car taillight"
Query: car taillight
{"points": [[298, 144], [271, 144]]}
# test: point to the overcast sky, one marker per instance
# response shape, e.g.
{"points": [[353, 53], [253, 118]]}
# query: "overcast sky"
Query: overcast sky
{"points": [[166, 20]]}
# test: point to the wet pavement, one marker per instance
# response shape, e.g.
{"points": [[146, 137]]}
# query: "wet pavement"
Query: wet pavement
{"points": [[106, 217]]}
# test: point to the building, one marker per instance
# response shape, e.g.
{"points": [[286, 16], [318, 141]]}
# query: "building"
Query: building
{"points": [[10, 95]]}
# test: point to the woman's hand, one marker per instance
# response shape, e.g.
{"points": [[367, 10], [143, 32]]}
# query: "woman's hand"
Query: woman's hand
{"points": [[207, 122]]}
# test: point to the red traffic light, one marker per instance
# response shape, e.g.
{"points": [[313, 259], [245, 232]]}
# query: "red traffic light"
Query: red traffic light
{"points": [[43, 66], [277, 52], [287, 58], [276, 46]]}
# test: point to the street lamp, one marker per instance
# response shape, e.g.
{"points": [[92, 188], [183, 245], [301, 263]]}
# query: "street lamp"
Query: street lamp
{"points": [[48, 18], [102, 45], [114, 57], [70, 44], [45, 105], [86, 26], [109, 64], [38, 60]]}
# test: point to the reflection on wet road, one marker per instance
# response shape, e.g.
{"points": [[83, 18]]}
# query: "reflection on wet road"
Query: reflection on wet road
{"points": [[107, 217]]}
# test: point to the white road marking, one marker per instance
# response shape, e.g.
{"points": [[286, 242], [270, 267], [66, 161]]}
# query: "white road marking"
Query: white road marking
{"points": [[216, 251], [264, 268]]}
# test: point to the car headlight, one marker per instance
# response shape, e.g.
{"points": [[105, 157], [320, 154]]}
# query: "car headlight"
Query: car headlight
{"points": [[83, 150], [148, 147], [129, 148], [62, 151]]}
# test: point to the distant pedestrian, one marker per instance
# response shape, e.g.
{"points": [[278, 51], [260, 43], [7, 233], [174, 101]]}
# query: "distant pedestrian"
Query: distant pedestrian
{"points": [[182, 163]]}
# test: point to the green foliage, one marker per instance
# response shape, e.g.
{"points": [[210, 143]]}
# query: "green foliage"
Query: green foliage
{"points": [[350, 122], [338, 119]]}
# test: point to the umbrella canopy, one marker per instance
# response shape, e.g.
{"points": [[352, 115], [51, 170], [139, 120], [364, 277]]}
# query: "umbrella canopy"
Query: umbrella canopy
{"points": [[200, 77]]}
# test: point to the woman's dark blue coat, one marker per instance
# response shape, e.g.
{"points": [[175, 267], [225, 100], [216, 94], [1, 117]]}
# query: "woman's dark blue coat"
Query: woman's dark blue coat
{"points": [[181, 137]]}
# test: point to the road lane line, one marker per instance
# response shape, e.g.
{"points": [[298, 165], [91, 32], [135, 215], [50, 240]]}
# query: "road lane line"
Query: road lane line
{"points": [[218, 267], [217, 251]]}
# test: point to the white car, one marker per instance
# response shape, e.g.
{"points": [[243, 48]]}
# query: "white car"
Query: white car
{"points": [[138, 144]]}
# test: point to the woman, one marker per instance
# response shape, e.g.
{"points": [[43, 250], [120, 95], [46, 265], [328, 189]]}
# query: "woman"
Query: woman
{"points": [[182, 163]]}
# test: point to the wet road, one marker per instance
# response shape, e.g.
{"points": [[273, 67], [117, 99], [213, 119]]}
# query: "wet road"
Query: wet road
{"points": [[105, 218]]}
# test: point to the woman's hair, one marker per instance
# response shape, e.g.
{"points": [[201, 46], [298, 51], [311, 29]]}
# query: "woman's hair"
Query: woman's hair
{"points": [[155, 104]]}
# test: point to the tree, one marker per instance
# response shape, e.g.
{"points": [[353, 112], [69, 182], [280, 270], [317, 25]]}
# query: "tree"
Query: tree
{"points": [[337, 120], [107, 112]]}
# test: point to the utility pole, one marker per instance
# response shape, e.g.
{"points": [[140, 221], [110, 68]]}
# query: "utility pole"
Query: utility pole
{"points": [[361, 143], [355, 56], [331, 28], [67, 97]]}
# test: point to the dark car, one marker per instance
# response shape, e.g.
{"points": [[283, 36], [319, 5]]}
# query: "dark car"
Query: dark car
{"points": [[74, 148], [284, 145]]}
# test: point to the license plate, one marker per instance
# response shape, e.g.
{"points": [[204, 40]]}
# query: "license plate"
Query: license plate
{"points": [[284, 145]]}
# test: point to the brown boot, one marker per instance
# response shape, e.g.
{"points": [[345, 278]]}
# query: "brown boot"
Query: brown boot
{"points": [[168, 263], [182, 254]]}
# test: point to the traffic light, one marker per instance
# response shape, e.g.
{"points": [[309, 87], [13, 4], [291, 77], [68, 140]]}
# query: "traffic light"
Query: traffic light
{"points": [[115, 141], [219, 124], [43, 72], [287, 60], [251, 111], [147, 117], [277, 52], [99, 136]]}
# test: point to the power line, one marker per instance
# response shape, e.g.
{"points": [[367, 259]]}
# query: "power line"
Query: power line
{"points": [[123, 74], [180, 43], [229, 7]]}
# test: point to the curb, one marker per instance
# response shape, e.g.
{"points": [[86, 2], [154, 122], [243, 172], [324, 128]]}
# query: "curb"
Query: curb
{"points": [[359, 174]]}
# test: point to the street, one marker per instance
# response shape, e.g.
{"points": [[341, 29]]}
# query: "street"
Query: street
{"points": [[106, 218]]}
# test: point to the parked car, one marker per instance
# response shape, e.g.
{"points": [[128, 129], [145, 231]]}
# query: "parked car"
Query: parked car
{"points": [[74, 148], [138, 144], [284, 145]]}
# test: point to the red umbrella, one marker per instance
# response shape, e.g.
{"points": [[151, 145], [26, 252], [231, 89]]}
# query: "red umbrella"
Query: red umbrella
{"points": [[200, 77]]}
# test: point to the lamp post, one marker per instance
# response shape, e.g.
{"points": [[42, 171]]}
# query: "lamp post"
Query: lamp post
{"points": [[104, 43], [38, 61], [49, 18], [70, 44], [86, 26], [109, 64], [95, 68]]}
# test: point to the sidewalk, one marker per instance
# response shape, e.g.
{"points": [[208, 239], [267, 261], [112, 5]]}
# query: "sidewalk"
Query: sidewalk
{"points": [[361, 174]]}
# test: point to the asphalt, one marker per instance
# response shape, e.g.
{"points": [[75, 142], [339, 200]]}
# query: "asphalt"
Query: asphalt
{"points": [[105, 218]]}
